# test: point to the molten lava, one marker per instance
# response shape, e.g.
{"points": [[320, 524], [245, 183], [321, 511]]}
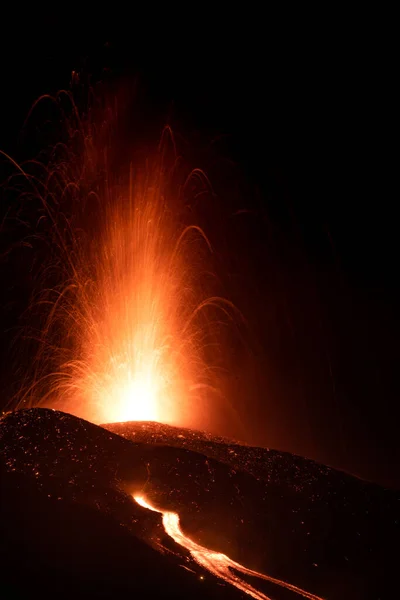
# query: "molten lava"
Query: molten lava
{"points": [[130, 319], [216, 563], [142, 336], [128, 328]]}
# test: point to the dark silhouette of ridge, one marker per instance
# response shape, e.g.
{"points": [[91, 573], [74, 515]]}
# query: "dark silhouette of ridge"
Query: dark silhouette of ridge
{"points": [[69, 524]]}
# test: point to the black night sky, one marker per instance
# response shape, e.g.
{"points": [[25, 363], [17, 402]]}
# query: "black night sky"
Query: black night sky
{"points": [[293, 126]]}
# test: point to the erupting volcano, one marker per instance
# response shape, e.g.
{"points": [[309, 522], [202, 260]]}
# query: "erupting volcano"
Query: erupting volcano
{"points": [[140, 332], [133, 326], [131, 346]]}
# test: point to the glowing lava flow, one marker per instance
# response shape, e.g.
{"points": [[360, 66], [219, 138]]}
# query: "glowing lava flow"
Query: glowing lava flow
{"points": [[217, 563]]}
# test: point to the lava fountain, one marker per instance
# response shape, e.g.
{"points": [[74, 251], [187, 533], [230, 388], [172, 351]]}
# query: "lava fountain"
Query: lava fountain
{"points": [[141, 341], [139, 322]]}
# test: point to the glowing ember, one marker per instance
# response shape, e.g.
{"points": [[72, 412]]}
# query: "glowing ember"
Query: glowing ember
{"points": [[217, 563]]}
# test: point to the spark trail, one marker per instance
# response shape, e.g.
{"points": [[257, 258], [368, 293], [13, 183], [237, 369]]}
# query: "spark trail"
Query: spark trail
{"points": [[216, 563]]}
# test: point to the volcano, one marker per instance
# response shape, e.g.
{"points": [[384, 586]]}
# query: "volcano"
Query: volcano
{"points": [[70, 524]]}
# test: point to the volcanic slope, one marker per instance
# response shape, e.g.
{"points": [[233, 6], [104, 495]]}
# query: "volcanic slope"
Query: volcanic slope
{"points": [[69, 524], [308, 523]]}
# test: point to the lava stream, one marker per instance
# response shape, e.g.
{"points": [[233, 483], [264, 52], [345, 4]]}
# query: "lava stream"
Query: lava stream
{"points": [[217, 563]]}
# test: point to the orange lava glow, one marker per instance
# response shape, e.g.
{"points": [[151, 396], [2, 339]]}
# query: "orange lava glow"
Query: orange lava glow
{"points": [[216, 563], [141, 338], [132, 325]]}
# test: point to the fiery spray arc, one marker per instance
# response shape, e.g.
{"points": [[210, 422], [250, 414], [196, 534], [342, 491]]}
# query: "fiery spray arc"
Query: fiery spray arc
{"points": [[131, 327], [217, 563], [142, 346]]}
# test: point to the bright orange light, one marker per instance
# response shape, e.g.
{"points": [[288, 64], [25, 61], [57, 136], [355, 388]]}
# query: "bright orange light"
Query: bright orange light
{"points": [[136, 400], [133, 317], [141, 346], [143, 502], [138, 316]]}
